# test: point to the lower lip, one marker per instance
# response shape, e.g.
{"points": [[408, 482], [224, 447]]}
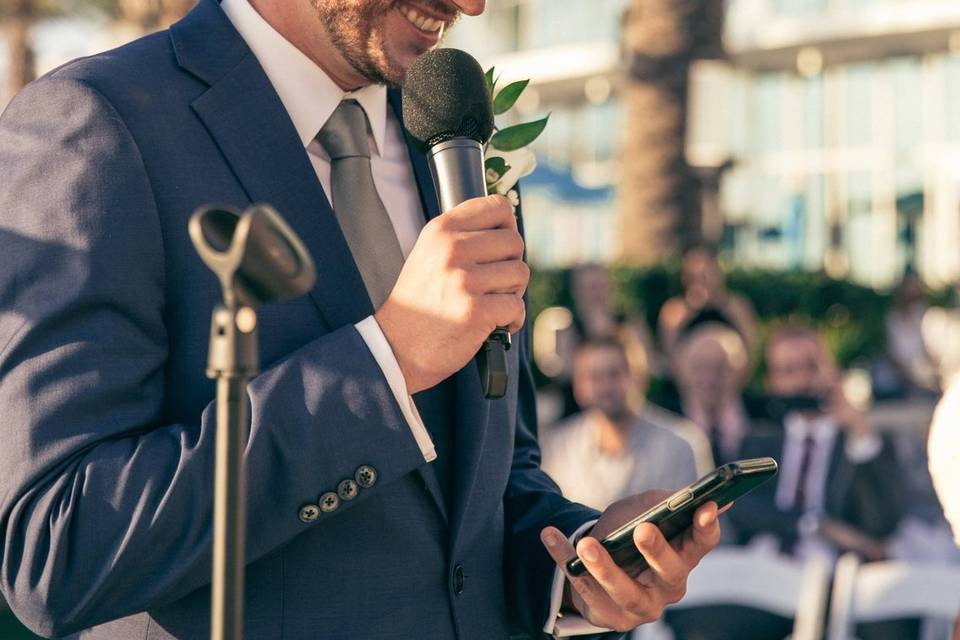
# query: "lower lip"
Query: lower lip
{"points": [[429, 38]]}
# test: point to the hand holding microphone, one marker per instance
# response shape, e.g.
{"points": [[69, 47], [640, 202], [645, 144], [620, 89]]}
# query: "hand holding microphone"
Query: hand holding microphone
{"points": [[464, 278]]}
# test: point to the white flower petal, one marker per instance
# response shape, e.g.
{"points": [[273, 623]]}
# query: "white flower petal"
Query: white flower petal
{"points": [[522, 162]]}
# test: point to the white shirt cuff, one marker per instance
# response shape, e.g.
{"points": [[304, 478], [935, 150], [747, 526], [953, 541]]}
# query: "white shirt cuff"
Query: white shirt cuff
{"points": [[563, 626], [372, 334], [862, 449]]}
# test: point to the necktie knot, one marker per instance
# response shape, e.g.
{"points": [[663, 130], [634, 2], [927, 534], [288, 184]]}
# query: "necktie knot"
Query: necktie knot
{"points": [[344, 135]]}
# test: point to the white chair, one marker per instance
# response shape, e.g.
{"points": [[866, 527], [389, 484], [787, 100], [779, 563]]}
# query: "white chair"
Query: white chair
{"points": [[893, 590], [765, 581]]}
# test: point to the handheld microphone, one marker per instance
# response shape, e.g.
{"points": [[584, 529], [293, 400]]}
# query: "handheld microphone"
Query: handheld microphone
{"points": [[446, 107]]}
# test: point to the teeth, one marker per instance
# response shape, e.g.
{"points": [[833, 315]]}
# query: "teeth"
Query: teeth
{"points": [[423, 23]]}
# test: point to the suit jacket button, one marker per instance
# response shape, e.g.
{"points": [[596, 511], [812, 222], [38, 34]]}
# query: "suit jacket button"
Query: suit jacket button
{"points": [[366, 476], [309, 513], [347, 489], [329, 502], [458, 579]]}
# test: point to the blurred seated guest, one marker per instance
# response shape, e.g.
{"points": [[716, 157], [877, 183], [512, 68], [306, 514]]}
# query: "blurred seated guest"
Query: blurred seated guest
{"points": [[611, 449], [905, 346], [595, 316], [705, 299], [840, 487], [710, 362]]}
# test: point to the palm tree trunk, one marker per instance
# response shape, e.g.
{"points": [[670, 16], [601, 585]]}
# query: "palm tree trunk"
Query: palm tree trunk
{"points": [[20, 17], [659, 198]]}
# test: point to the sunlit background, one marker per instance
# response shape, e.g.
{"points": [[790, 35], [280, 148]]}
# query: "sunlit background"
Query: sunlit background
{"points": [[820, 134], [814, 143]]}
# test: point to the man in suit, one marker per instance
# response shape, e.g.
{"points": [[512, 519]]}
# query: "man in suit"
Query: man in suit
{"points": [[839, 487], [386, 496]]}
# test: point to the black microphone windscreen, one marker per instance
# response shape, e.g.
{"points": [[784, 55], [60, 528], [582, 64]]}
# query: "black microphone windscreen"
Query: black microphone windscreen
{"points": [[445, 96]]}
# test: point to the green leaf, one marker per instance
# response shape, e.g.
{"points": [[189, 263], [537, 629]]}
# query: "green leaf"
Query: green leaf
{"points": [[496, 163], [518, 136], [508, 96], [491, 83]]}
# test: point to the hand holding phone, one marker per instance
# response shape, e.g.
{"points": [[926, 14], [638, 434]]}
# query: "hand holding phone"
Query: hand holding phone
{"points": [[674, 515]]}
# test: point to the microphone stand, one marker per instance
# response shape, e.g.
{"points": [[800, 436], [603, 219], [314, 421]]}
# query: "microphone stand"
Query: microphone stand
{"points": [[232, 362], [258, 258]]}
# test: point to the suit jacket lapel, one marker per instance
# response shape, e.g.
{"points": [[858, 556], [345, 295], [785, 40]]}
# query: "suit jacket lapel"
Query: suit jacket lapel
{"points": [[246, 118]]}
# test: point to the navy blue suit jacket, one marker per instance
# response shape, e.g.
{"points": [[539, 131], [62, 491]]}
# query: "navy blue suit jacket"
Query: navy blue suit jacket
{"points": [[107, 429]]}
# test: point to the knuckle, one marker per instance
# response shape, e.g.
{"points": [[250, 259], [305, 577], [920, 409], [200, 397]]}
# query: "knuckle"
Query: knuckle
{"points": [[623, 626], [520, 317], [440, 224], [678, 593], [583, 587], [462, 280], [523, 272], [517, 243], [634, 608]]}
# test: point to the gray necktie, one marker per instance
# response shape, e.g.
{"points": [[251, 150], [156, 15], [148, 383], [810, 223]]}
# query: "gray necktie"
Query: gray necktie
{"points": [[356, 203]]}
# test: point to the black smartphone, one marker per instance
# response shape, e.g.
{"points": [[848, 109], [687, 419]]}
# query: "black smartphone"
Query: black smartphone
{"points": [[674, 515], [780, 406]]}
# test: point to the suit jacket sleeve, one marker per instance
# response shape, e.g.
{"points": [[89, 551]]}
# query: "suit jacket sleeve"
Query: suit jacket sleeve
{"points": [[876, 499], [757, 512], [105, 503]]}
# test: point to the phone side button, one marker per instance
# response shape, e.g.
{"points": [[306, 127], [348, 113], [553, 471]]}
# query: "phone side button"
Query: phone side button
{"points": [[679, 500]]}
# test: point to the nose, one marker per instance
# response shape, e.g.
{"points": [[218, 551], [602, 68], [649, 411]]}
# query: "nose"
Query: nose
{"points": [[470, 7]]}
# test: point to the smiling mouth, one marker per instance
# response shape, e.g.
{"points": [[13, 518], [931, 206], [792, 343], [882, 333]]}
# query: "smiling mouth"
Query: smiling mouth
{"points": [[420, 21]]}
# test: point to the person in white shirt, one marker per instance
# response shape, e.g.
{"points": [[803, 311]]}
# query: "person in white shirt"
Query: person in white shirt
{"points": [[612, 450]]}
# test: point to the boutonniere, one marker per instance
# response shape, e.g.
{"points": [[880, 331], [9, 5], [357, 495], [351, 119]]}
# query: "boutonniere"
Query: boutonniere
{"points": [[507, 158]]}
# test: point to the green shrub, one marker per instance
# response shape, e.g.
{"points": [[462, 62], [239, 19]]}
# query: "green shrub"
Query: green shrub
{"points": [[848, 315]]}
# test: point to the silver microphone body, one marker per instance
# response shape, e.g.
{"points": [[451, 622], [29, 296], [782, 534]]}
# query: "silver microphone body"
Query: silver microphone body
{"points": [[458, 174]]}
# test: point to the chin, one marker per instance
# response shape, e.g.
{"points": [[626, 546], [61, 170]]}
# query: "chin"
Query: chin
{"points": [[399, 62]]}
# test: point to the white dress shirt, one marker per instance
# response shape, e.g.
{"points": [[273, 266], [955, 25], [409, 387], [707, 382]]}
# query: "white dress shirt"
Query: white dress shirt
{"points": [[655, 458], [310, 97]]}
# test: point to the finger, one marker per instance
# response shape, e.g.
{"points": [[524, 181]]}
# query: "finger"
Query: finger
{"points": [[504, 310], [601, 609], [502, 277], [702, 536], [490, 245], [489, 212], [668, 570], [621, 588]]}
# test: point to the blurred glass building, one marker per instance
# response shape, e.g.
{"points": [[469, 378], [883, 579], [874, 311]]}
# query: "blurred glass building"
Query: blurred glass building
{"points": [[841, 117]]}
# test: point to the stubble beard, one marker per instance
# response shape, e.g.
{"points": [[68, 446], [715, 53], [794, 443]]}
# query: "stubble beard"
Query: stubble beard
{"points": [[351, 32], [355, 35]]}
